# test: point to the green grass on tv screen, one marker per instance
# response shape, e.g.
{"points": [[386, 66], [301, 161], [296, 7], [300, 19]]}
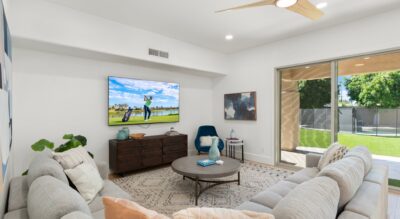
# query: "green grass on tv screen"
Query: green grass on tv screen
{"points": [[135, 120]]}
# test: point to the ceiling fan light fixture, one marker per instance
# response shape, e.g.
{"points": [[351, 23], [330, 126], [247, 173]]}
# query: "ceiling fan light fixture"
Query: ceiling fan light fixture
{"points": [[322, 5], [229, 37], [285, 3]]}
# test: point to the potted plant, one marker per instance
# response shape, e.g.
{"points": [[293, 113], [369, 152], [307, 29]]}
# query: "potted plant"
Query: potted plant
{"points": [[72, 141]]}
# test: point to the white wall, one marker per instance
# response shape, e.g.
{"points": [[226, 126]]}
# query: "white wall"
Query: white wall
{"points": [[48, 22], [56, 94], [47, 85], [253, 70]]}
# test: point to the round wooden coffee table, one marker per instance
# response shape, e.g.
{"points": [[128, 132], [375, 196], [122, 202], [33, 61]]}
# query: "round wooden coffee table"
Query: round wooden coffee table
{"points": [[188, 168]]}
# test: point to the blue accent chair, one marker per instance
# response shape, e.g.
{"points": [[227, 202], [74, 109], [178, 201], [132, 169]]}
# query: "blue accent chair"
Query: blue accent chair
{"points": [[207, 130]]}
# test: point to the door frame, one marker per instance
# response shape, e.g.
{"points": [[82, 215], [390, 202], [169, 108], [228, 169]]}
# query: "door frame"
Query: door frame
{"points": [[334, 98]]}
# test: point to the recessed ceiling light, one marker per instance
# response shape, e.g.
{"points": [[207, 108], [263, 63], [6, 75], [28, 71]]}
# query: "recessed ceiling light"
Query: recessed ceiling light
{"points": [[229, 37], [307, 67], [322, 5], [285, 3], [366, 58], [359, 64]]}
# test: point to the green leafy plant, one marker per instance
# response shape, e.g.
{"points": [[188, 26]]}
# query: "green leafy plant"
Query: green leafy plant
{"points": [[375, 90], [72, 141]]}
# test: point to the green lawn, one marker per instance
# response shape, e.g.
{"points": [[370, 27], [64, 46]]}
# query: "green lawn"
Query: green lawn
{"points": [[389, 146], [394, 182], [139, 120]]}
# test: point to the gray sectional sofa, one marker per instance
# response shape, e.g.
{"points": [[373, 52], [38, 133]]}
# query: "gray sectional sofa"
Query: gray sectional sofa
{"points": [[350, 188], [45, 193], [362, 190]]}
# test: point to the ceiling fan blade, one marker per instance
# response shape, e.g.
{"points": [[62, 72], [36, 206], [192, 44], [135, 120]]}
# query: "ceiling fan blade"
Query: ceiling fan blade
{"points": [[251, 5], [305, 8]]}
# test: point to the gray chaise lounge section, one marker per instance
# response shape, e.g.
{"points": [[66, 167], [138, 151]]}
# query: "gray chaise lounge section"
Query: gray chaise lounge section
{"points": [[369, 201]]}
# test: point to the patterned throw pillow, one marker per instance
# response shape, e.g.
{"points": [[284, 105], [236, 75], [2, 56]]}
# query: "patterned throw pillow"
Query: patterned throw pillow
{"points": [[339, 154], [334, 153], [74, 157]]}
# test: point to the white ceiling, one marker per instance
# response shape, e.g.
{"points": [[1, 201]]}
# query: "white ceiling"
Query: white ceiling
{"points": [[194, 21]]}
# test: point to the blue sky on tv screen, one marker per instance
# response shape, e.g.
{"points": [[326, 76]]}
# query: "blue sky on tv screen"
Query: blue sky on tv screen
{"points": [[132, 92]]}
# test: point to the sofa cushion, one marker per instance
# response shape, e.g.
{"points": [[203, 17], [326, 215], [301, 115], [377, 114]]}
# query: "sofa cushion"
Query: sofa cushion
{"points": [[18, 193], [334, 153], [267, 198], [283, 187], [316, 198], [96, 204], [77, 215], [348, 173], [99, 214], [252, 206], [368, 201], [351, 215], [103, 169], [109, 189], [364, 154], [17, 214], [43, 165], [49, 198], [274, 194], [303, 175], [378, 174]]}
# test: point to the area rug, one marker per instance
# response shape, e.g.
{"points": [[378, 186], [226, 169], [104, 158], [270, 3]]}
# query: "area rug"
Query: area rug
{"points": [[166, 192]]}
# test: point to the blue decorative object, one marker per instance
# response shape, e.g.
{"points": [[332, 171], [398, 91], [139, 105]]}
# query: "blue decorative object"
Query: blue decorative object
{"points": [[206, 162], [207, 130], [213, 153], [123, 134], [126, 130]]}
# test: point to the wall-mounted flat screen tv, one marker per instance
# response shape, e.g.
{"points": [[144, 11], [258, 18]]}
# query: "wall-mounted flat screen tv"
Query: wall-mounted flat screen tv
{"points": [[133, 101]]}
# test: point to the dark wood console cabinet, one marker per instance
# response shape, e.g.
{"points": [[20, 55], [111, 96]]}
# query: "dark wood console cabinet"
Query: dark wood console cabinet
{"points": [[129, 155]]}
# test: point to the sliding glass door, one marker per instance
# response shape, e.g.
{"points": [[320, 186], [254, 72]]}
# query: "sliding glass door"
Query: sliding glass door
{"points": [[369, 101], [305, 110], [353, 101]]}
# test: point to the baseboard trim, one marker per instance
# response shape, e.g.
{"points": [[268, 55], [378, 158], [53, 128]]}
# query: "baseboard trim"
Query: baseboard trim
{"points": [[258, 158]]}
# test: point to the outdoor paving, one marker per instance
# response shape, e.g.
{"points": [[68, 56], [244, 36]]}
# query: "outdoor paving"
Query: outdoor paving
{"points": [[299, 159]]}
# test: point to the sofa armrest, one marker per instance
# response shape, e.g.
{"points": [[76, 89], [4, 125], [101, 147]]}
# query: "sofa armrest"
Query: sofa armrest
{"points": [[103, 169], [312, 159]]}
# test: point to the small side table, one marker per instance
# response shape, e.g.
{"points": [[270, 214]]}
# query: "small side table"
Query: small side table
{"points": [[231, 144]]}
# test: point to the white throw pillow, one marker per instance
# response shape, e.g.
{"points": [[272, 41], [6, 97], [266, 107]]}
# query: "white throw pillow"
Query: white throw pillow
{"points": [[206, 141], [334, 153], [86, 179], [73, 157]]}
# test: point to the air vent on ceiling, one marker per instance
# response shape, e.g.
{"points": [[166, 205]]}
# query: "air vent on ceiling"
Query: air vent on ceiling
{"points": [[158, 53]]}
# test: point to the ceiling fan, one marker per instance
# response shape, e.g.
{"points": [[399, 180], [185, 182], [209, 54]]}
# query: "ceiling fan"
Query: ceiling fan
{"points": [[303, 7]]}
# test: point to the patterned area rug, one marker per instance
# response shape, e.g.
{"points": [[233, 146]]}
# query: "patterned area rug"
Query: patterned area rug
{"points": [[166, 192]]}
